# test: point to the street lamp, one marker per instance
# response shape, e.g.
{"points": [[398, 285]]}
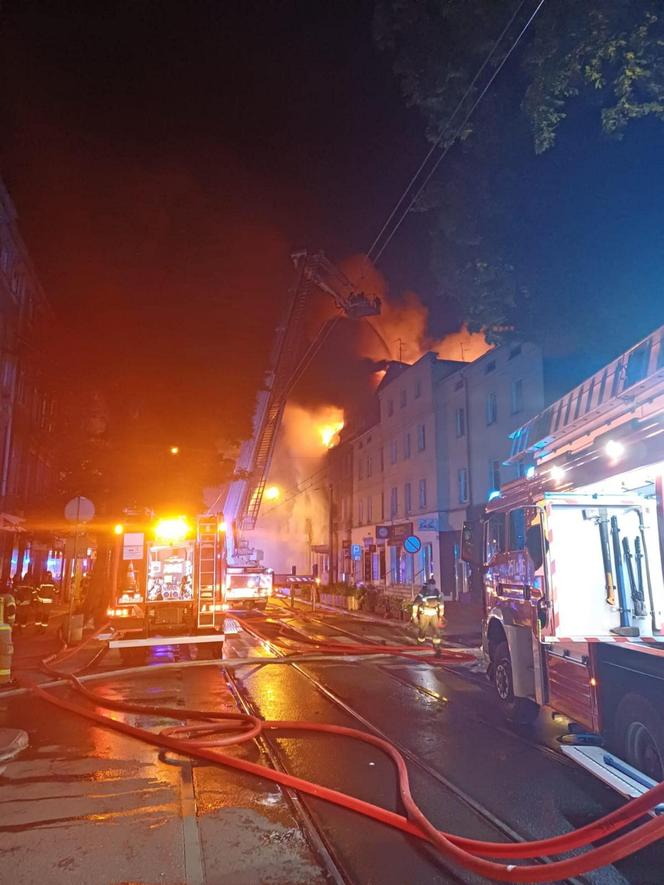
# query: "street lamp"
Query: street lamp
{"points": [[272, 493], [174, 450], [118, 529]]}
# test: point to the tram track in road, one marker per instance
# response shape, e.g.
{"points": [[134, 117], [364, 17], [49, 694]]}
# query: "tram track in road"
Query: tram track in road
{"points": [[483, 813], [335, 872], [458, 673]]}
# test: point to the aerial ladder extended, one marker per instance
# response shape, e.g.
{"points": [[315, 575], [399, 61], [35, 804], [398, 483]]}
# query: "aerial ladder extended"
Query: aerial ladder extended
{"points": [[291, 355]]}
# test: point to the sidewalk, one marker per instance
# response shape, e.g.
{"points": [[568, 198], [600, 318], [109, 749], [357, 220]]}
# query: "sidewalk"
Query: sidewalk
{"points": [[31, 645]]}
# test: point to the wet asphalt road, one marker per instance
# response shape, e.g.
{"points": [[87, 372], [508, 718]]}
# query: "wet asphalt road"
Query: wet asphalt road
{"points": [[85, 805]]}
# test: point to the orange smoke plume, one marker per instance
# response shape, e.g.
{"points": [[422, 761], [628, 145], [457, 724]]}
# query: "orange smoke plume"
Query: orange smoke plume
{"points": [[401, 328]]}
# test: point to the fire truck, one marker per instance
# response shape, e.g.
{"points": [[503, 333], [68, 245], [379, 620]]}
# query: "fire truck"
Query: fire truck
{"points": [[172, 592], [248, 586], [572, 556]]}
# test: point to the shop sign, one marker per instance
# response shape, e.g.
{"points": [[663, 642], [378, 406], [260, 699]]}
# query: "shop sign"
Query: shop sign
{"points": [[428, 524], [399, 533]]}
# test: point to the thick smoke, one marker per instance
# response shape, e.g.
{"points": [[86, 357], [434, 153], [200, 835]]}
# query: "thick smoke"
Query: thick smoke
{"points": [[288, 527], [401, 330]]}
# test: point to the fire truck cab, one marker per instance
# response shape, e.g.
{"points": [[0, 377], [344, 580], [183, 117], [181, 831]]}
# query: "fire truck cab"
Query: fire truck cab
{"points": [[572, 563]]}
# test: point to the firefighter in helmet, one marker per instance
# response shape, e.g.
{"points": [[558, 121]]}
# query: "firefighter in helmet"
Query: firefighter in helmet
{"points": [[428, 609]]}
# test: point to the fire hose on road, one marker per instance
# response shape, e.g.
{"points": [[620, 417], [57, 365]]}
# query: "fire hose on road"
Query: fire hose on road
{"points": [[211, 732]]}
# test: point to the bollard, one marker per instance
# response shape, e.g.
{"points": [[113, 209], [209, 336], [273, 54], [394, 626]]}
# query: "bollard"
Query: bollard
{"points": [[6, 652]]}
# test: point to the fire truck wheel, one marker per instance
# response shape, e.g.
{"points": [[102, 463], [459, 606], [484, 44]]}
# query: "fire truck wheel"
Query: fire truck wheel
{"points": [[520, 710], [639, 735]]}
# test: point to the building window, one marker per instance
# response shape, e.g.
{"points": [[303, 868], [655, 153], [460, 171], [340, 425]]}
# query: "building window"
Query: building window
{"points": [[421, 438], [407, 499], [369, 509], [360, 513], [423, 494], [394, 503], [382, 461], [402, 399], [369, 465], [360, 468], [517, 396], [382, 506], [418, 389], [390, 408], [393, 452], [515, 351], [462, 480], [494, 476], [406, 446], [460, 422], [490, 367], [491, 408]]}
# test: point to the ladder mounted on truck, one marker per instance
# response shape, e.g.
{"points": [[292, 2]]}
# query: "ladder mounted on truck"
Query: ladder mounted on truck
{"points": [[291, 356], [209, 570]]}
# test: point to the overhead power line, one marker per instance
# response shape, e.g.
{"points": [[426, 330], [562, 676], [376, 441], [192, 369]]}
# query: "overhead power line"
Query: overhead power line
{"points": [[459, 129]]}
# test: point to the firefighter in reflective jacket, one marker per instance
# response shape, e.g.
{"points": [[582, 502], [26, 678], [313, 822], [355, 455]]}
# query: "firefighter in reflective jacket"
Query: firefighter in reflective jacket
{"points": [[428, 610]]}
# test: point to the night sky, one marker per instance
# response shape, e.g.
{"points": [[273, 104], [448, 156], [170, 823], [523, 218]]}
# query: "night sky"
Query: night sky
{"points": [[166, 157]]}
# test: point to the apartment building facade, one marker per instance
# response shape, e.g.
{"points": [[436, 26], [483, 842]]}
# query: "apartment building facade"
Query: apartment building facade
{"points": [[27, 401], [430, 460], [476, 409]]}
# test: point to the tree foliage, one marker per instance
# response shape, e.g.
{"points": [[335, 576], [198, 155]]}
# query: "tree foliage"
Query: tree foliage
{"points": [[603, 57]]}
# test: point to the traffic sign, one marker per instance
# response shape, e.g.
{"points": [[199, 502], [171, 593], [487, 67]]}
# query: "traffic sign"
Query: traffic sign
{"points": [[394, 534], [412, 544], [356, 551], [79, 509], [133, 544]]}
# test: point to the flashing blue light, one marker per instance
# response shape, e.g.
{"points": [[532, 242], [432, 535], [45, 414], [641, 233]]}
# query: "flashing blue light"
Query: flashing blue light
{"points": [[530, 472], [494, 494]]}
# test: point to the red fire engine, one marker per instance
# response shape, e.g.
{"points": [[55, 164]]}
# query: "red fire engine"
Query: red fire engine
{"points": [[177, 596], [572, 569]]}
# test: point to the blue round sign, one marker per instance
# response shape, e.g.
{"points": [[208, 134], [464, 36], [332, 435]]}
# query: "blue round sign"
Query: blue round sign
{"points": [[412, 544]]}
